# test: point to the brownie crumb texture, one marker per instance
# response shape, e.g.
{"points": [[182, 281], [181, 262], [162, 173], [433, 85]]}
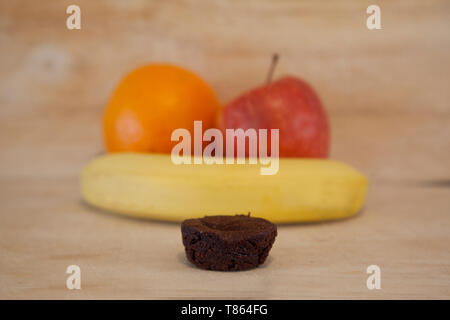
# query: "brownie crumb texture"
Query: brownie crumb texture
{"points": [[228, 243]]}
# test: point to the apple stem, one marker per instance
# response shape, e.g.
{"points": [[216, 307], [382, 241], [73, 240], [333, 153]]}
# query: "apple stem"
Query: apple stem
{"points": [[272, 68]]}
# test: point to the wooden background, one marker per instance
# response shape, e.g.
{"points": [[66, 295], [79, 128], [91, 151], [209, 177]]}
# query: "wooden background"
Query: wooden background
{"points": [[386, 91]]}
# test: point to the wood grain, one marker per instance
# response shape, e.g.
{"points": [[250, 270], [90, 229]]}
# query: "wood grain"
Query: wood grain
{"points": [[386, 92]]}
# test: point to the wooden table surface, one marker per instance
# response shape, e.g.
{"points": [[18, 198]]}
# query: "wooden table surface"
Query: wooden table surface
{"points": [[386, 92]]}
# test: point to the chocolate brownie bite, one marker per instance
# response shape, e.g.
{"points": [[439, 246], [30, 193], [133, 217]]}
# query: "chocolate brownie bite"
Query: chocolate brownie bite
{"points": [[228, 243]]}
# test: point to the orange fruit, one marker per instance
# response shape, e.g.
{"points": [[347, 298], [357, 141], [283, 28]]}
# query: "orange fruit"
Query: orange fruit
{"points": [[150, 103]]}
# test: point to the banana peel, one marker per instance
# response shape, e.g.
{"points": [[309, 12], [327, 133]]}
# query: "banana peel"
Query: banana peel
{"points": [[151, 186]]}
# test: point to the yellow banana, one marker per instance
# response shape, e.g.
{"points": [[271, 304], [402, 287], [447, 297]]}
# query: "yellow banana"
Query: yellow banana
{"points": [[151, 186]]}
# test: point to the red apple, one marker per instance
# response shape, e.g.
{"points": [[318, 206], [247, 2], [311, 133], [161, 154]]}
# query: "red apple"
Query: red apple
{"points": [[289, 105]]}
